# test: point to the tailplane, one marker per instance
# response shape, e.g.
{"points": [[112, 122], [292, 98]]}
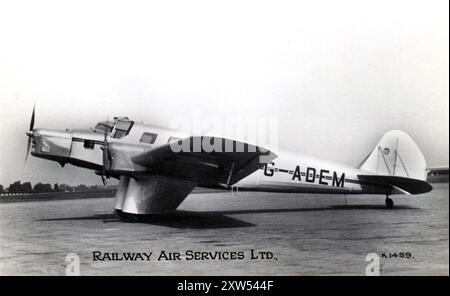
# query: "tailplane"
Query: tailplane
{"points": [[399, 185], [396, 154]]}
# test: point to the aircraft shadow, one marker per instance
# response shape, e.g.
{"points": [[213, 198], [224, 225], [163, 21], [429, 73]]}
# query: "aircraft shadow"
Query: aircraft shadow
{"points": [[194, 220], [178, 219], [181, 219], [327, 208]]}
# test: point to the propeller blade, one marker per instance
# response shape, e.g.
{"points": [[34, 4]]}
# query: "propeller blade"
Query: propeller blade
{"points": [[28, 148], [32, 119], [30, 133], [105, 151]]}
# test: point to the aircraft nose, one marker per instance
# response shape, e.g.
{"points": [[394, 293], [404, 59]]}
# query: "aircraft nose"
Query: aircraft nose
{"points": [[51, 144]]}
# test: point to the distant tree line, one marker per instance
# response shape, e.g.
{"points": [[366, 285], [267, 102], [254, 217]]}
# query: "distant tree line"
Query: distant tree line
{"points": [[18, 187]]}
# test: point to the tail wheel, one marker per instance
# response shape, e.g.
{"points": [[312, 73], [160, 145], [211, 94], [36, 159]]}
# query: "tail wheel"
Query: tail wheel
{"points": [[389, 202]]}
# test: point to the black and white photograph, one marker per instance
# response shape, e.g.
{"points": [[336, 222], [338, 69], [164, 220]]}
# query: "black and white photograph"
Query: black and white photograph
{"points": [[224, 138]]}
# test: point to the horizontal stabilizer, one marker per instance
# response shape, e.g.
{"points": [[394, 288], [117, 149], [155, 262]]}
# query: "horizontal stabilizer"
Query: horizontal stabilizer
{"points": [[409, 185]]}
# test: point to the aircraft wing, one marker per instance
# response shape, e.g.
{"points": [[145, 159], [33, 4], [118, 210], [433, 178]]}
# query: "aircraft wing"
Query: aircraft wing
{"points": [[399, 184], [217, 168]]}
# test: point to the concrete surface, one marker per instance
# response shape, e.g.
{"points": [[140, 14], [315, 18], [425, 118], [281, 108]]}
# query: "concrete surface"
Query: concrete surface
{"points": [[308, 235]]}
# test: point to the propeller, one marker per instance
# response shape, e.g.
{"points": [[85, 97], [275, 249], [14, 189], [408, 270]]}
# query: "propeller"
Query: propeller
{"points": [[106, 159], [30, 133]]}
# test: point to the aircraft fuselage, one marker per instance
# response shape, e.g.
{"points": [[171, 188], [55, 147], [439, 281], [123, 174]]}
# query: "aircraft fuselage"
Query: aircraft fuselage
{"points": [[287, 173]]}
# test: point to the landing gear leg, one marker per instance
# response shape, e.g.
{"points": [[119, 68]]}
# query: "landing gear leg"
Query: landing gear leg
{"points": [[389, 202]]}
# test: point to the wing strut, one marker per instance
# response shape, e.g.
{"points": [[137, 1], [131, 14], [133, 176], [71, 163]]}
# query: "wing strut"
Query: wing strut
{"points": [[230, 175]]}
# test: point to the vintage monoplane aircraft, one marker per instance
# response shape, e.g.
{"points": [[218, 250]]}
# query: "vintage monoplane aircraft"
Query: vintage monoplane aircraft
{"points": [[159, 167]]}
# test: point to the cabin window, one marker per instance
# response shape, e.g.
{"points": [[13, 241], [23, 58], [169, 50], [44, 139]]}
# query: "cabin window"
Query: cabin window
{"points": [[173, 139], [89, 144], [148, 138]]}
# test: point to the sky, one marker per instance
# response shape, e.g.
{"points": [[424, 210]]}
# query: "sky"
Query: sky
{"points": [[335, 74]]}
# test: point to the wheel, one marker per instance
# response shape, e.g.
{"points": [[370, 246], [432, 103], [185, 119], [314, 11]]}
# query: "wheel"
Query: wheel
{"points": [[129, 217], [120, 214], [389, 203], [134, 218]]}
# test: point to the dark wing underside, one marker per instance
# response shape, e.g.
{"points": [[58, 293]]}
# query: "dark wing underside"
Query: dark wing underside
{"points": [[216, 168]]}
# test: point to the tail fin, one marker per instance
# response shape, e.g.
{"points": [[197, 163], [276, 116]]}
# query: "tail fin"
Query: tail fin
{"points": [[396, 155]]}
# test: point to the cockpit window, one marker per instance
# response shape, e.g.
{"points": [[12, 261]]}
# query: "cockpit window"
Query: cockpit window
{"points": [[121, 129], [102, 126], [119, 134]]}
